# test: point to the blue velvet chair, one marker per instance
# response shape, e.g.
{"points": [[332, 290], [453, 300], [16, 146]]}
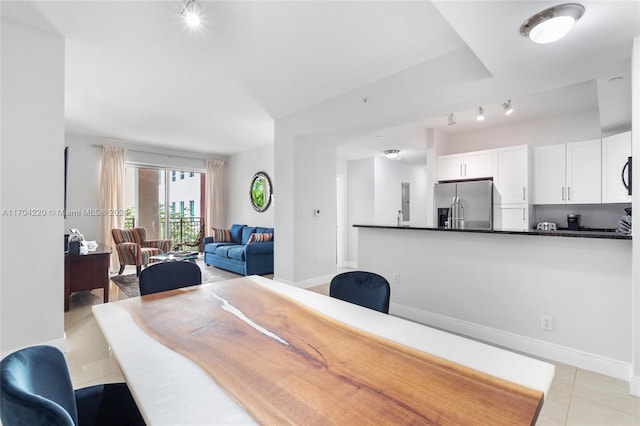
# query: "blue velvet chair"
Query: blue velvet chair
{"points": [[362, 288], [169, 276], [35, 389]]}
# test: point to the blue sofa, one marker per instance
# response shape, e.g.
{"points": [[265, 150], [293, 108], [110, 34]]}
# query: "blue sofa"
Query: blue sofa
{"points": [[238, 256]]}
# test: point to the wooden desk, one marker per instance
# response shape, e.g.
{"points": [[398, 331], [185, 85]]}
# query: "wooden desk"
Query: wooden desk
{"points": [[170, 389], [86, 272]]}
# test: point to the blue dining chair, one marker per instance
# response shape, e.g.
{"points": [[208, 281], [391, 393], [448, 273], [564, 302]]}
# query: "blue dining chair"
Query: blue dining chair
{"points": [[362, 288], [36, 390], [169, 276]]}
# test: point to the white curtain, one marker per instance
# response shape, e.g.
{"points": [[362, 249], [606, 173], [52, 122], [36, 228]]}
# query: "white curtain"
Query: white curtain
{"points": [[214, 196], [112, 187]]}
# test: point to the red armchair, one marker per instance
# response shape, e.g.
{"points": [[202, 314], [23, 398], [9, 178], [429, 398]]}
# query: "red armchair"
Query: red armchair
{"points": [[134, 249]]}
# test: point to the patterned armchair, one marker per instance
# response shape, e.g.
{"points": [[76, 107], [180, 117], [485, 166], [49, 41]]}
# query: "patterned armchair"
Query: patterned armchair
{"points": [[134, 249]]}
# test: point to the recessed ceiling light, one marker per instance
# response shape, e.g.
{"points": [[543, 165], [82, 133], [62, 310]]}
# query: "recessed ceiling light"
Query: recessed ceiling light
{"points": [[480, 114], [391, 154], [615, 79], [552, 24]]}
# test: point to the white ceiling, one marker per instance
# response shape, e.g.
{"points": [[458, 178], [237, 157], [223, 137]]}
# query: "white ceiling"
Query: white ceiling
{"points": [[135, 72]]}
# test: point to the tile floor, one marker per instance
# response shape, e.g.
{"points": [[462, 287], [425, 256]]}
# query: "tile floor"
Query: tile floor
{"points": [[576, 397]]}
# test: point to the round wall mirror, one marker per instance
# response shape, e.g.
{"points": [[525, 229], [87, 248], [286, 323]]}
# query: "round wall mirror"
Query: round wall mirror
{"points": [[260, 191]]}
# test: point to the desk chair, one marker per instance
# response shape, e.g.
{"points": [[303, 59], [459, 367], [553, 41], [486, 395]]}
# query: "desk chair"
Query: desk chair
{"points": [[362, 288], [169, 276], [35, 389]]}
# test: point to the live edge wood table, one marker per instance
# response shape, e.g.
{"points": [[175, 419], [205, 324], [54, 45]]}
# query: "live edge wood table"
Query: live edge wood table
{"points": [[86, 272], [252, 350]]}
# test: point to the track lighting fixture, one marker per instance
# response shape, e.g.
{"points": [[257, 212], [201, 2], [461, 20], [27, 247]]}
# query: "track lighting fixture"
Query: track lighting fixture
{"points": [[191, 12], [480, 114], [452, 119], [508, 109], [552, 24]]}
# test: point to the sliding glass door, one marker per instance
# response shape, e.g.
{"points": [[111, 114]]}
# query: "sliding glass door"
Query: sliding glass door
{"points": [[168, 203]]}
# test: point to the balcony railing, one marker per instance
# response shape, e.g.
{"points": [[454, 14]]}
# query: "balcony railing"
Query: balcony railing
{"points": [[182, 230]]}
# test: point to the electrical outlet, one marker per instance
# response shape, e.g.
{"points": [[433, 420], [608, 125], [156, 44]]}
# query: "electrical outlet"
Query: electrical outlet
{"points": [[546, 322], [396, 278]]}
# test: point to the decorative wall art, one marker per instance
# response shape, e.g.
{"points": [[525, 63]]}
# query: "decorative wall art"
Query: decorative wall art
{"points": [[260, 191]]}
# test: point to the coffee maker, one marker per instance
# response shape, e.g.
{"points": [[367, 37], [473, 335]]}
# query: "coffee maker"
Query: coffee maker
{"points": [[573, 222]]}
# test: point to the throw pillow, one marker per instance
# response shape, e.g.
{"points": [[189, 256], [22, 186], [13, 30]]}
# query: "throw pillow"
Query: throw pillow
{"points": [[259, 238], [221, 235]]}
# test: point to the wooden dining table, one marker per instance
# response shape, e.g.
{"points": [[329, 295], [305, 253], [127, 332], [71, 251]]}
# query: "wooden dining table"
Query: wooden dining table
{"points": [[253, 350]]}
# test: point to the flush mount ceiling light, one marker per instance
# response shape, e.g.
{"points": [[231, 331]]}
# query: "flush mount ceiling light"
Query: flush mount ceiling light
{"points": [[480, 114], [452, 119], [191, 12], [508, 109], [391, 154], [552, 24]]}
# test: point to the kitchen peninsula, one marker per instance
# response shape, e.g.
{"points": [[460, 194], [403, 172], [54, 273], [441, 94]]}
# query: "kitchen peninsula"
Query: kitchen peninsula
{"points": [[496, 286]]}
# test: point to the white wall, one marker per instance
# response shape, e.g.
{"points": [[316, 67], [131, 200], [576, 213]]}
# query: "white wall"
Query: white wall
{"points": [[360, 202], [496, 287], [388, 178], [32, 177], [240, 170], [580, 126]]}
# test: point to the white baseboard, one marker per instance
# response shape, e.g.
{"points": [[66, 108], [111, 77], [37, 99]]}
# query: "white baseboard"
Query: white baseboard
{"points": [[540, 348], [311, 282], [57, 343], [351, 264]]}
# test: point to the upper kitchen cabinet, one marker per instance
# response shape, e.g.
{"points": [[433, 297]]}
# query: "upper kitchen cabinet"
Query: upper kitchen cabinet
{"points": [[512, 175], [615, 174], [470, 165], [568, 173]]}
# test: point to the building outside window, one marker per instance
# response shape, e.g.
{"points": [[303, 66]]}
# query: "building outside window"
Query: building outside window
{"points": [[192, 208], [173, 176], [173, 207], [181, 208], [181, 175]]}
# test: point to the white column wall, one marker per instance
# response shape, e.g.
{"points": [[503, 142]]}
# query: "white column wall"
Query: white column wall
{"points": [[32, 188], [635, 297]]}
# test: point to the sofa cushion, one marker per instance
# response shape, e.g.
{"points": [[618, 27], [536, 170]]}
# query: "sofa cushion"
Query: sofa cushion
{"points": [[236, 252], [236, 233], [223, 251], [261, 230], [259, 238], [211, 247], [220, 235], [246, 233]]}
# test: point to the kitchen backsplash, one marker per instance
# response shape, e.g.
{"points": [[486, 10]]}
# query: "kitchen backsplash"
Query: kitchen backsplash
{"points": [[592, 216]]}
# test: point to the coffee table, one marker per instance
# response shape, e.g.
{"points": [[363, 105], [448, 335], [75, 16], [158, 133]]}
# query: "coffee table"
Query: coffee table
{"points": [[176, 257]]}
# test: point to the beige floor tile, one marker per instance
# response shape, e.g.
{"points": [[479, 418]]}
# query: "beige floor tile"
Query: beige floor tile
{"points": [[606, 391], [564, 377], [588, 412], [555, 408]]}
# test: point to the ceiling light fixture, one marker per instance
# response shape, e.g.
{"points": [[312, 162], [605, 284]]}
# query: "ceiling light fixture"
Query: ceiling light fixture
{"points": [[480, 114], [191, 12], [452, 119], [552, 24], [391, 154], [508, 109]]}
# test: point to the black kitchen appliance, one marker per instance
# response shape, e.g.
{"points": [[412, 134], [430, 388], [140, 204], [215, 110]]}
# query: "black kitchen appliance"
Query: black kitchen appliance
{"points": [[573, 222]]}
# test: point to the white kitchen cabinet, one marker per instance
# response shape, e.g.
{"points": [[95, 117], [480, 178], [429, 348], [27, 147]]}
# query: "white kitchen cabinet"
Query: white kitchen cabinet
{"points": [[512, 177], [616, 150], [511, 217], [470, 165], [568, 173]]}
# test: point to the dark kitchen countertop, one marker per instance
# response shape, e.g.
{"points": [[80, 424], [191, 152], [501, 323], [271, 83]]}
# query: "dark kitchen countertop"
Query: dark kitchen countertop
{"points": [[586, 233]]}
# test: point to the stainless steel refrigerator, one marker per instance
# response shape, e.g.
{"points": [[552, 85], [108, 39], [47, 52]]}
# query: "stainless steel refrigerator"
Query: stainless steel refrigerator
{"points": [[464, 205]]}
